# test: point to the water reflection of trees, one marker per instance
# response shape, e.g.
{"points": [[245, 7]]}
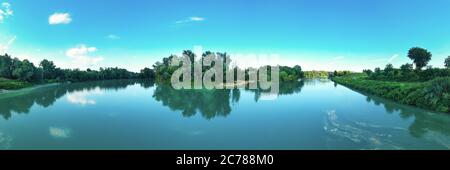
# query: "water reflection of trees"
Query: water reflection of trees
{"points": [[286, 88], [425, 121], [210, 103], [47, 96]]}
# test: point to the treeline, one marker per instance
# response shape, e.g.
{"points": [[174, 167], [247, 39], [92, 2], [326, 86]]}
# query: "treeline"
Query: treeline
{"points": [[163, 70], [316, 74], [433, 95], [24, 70], [324, 74], [407, 72], [288, 74], [47, 96], [426, 88]]}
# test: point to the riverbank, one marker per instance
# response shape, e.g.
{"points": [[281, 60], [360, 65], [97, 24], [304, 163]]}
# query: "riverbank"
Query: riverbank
{"points": [[7, 84], [17, 92], [433, 95]]}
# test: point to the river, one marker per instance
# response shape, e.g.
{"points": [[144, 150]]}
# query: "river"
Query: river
{"points": [[129, 114]]}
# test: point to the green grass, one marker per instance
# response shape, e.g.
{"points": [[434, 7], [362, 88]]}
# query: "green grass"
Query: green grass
{"points": [[7, 84], [419, 94]]}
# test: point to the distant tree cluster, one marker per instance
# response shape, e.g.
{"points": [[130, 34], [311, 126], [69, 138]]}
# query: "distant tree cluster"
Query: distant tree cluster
{"points": [[163, 70], [325, 74], [15, 69], [46, 97], [316, 74], [341, 73], [406, 72], [291, 73]]}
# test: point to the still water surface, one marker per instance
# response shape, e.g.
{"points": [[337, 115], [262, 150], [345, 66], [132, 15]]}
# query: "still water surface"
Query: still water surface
{"points": [[313, 114]]}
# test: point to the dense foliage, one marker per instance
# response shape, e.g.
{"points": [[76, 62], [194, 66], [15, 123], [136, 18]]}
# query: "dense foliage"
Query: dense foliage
{"points": [[429, 88], [18, 74], [434, 95], [13, 84], [22, 101], [19, 70], [407, 73], [291, 73], [420, 56], [324, 74], [316, 74], [164, 70], [23, 73]]}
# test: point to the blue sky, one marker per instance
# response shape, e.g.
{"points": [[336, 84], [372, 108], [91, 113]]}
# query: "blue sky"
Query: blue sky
{"points": [[316, 34]]}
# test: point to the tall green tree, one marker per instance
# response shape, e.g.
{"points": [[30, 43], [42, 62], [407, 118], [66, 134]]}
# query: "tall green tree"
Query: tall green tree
{"points": [[38, 75], [299, 72], [407, 72], [190, 54], [389, 68], [147, 73], [420, 56], [48, 68], [5, 66], [23, 70], [405, 68]]}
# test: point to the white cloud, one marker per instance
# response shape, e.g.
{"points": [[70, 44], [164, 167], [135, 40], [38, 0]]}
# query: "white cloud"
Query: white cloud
{"points": [[80, 50], [393, 58], [12, 40], [80, 97], [383, 60], [58, 132], [5, 11], [59, 18], [6, 5], [190, 19], [4, 48], [196, 19], [113, 37], [338, 58], [80, 57]]}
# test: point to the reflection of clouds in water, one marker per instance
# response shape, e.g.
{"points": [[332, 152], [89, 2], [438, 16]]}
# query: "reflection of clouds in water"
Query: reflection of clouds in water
{"points": [[439, 138], [79, 97], [5, 141], [359, 133], [269, 96], [57, 132]]}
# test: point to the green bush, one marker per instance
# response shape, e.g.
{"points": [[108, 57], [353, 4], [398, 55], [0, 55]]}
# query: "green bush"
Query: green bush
{"points": [[434, 95], [7, 84], [438, 93]]}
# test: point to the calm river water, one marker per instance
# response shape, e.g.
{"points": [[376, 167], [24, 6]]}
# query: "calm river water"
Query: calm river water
{"points": [[313, 114]]}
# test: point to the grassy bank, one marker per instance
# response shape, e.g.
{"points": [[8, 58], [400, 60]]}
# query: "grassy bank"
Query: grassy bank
{"points": [[7, 84], [433, 95]]}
